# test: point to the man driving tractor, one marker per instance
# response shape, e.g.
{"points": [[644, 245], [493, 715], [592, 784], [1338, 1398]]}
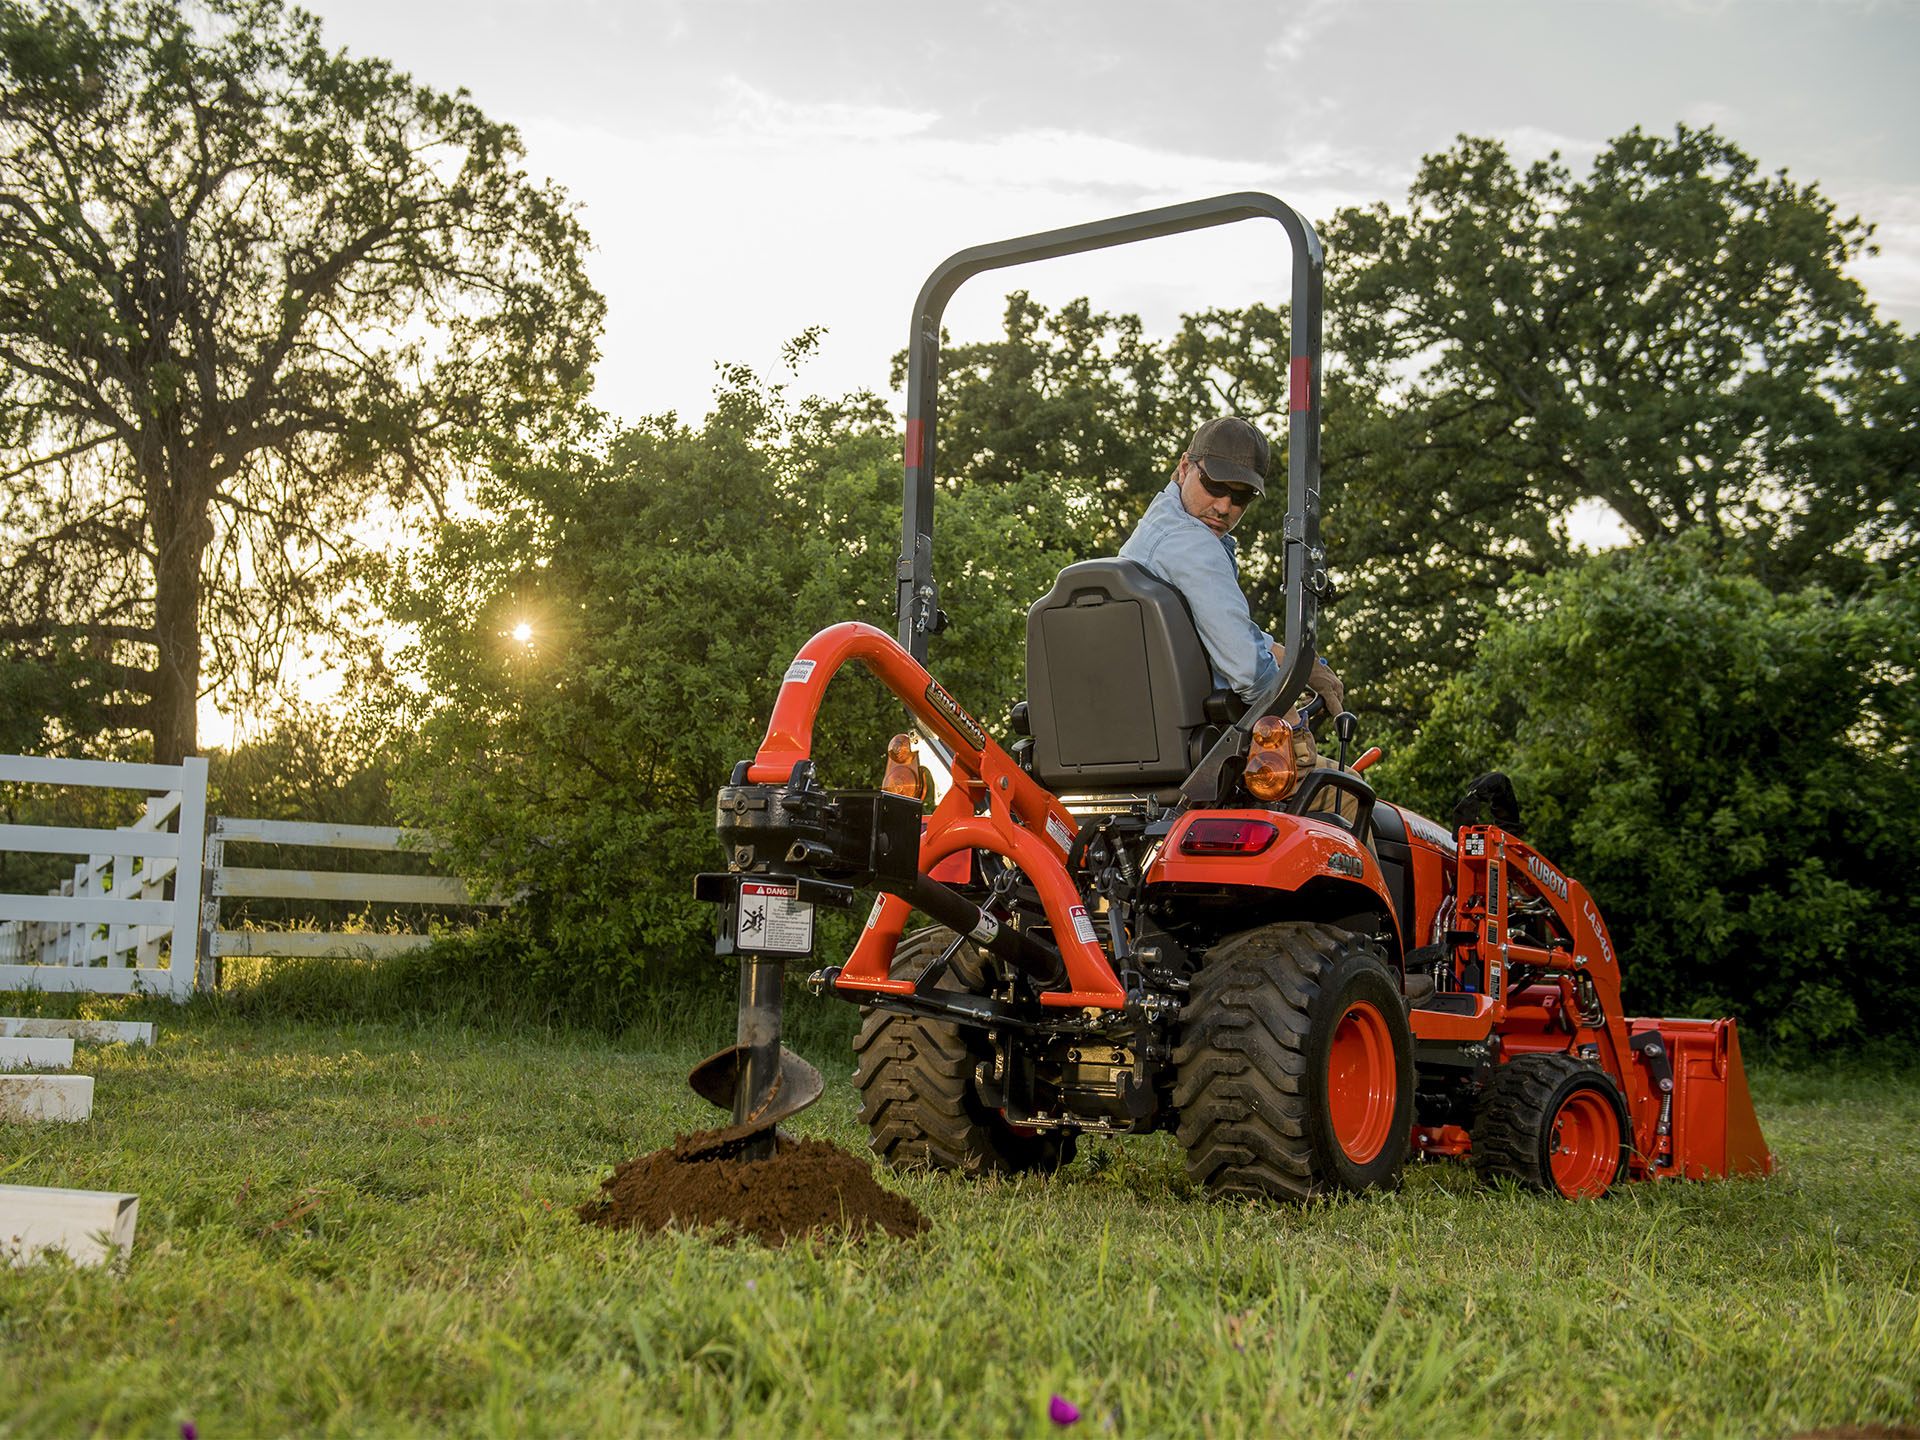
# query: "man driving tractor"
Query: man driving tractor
{"points": [[1185, 538]]}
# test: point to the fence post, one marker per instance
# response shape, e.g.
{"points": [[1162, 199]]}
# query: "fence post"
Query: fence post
{"points": [[183, 965], [154, 875], [216, 856], [63, 943]]}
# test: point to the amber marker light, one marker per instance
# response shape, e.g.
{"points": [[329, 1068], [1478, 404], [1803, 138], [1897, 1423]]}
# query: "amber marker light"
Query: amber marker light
{"points": [[903, 769], [1271, 773]]}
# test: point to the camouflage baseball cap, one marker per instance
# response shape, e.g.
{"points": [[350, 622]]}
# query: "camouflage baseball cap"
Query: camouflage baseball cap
{"points": [[1230, 451]]}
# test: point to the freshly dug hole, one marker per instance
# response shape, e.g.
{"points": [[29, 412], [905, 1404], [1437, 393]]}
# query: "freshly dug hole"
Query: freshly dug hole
{"points": [[806, 1188]]}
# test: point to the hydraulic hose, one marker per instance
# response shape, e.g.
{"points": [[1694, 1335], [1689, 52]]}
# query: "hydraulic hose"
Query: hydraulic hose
{"points": [[1031, 954]]}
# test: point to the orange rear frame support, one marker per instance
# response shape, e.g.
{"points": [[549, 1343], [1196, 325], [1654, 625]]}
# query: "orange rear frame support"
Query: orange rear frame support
{"points": [[1021, 821]]}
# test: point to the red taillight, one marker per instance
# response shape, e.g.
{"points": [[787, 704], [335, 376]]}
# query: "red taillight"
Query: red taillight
{"points": [[1227, 837]]}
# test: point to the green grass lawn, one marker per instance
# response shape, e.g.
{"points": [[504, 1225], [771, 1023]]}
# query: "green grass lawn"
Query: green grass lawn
{"points": [[366, 1227]]}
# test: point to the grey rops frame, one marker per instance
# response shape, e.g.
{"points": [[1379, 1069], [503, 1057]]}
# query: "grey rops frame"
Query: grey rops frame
{"points": [[1305, 560]]}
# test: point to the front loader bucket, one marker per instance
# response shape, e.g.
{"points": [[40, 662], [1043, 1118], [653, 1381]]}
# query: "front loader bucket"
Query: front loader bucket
{"points": [[1715, 1132]]}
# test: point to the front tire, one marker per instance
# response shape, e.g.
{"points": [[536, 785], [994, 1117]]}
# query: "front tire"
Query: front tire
{"points": [[1294, 1070], [915, 1078], [1552, 1123]]}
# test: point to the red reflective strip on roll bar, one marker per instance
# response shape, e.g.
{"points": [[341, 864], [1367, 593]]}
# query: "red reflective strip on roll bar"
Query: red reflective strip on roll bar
{"points": [[916, 446], [1300, 384]]}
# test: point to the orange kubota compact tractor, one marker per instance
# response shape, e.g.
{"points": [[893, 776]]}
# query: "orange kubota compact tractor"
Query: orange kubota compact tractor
{"points": [[1145, 917]]}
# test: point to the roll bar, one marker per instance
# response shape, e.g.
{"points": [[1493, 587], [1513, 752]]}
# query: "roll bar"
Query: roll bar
{"points": [[1304, 558]]}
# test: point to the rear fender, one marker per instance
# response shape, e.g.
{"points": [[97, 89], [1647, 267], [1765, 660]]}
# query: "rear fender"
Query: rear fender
{"points": [[1314, 859]]}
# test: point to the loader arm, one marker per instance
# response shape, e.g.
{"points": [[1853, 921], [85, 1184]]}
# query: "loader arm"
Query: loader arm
{"points": [[1491, 862], [1684, 1082]]}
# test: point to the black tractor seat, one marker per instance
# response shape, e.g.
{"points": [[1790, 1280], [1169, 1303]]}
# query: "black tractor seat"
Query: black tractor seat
{"points": [[1121, 703], [1120, 696]]}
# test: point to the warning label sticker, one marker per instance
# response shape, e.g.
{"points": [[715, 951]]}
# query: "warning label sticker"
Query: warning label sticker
{"points": [[772, 920], [1082, 926], [985, 930], [801, 670], [1058, 832]]}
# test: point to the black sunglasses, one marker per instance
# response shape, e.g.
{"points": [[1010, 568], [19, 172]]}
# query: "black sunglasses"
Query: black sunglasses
{"points": [[1241, 495]]}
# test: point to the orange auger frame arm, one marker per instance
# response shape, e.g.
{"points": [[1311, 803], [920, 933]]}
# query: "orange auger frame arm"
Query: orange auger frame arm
{"points": [[1021, 821]]}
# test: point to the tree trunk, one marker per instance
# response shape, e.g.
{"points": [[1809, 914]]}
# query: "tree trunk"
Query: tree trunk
{"points": [[180, 544]]}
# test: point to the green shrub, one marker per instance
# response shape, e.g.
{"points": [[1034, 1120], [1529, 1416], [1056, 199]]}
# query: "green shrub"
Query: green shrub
{"points": [[664, 579], [1728, 769]]}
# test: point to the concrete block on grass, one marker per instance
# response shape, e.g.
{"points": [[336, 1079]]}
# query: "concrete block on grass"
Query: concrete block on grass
{"points": [[85, 1032], [35, 1054], [27, 1098], [90, 1227]]}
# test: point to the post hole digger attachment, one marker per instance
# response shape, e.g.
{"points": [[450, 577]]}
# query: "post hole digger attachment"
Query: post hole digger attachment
{"points": [[757, 1078], [1146, 916]]}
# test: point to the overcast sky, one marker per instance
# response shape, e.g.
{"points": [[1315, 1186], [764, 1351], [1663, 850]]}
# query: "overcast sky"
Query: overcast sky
{"points": [[750, 169]]}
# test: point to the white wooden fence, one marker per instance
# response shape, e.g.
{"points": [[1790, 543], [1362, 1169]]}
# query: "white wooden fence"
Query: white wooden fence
{"points": [[110, 924], [135, 877], [226, 881]]}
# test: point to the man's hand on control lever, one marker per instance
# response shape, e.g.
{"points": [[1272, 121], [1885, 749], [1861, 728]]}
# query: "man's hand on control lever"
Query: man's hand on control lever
{"points": [[1321, 680], [1328, 696]]}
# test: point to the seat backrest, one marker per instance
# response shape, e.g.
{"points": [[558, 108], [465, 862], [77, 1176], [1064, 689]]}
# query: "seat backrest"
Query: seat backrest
{"points": [[1117, 680]]}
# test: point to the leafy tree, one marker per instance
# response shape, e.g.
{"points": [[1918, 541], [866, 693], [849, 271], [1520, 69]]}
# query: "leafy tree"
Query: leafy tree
{"points": [[1674, 335], [42, 700], [1073, 392], [250, 290], [312, 763], [666, 576], [1080, 394], [1727, 767], [321, 764]]}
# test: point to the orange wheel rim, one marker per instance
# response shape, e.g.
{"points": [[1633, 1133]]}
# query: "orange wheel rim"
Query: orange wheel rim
{"points": [[1363, 1082], [1584, 1145]]}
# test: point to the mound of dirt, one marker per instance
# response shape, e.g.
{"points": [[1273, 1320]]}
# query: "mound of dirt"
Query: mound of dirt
{"points": [[806, 1188]]}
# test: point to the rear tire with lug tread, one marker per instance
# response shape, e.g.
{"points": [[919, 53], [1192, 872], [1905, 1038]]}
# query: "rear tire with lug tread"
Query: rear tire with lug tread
{"points": [[915, 1078], [1552, 1123], [1294, 1067]]}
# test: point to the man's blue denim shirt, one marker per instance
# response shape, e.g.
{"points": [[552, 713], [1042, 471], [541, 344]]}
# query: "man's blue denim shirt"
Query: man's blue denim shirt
{"points": [[1203, 567]]}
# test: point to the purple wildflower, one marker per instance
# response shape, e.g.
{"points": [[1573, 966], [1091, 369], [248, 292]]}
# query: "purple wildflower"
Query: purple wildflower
{"points": [[189, 1430], [1062, 1411]]}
